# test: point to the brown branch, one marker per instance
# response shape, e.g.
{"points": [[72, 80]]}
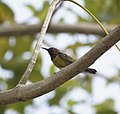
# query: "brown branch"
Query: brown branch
{"points": [[26, 92], [86, 28]]}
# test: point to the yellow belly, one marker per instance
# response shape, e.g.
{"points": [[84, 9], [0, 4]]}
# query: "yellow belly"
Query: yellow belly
{"points": [[59, 62]]}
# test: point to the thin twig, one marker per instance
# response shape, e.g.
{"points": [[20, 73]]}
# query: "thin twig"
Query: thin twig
{"points": [[31, 65], [100, 24]]}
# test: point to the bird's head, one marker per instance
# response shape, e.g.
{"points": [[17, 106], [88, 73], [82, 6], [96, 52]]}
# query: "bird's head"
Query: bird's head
{"points": [[53, 52]]}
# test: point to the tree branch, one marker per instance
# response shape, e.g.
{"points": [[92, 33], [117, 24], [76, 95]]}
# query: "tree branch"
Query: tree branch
{"points": [[26, 92], [86, 28]]}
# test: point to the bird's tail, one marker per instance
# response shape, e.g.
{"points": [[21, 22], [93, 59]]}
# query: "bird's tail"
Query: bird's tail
{"points": [[90, 70]]}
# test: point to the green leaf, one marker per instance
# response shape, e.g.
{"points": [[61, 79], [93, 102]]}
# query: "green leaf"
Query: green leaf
{"points": [[77, 45], [71, 103], [40, 13], [62, 90], [2, 110], [31, 8], [22, 44], [6, 14], [70, 111], [89, 83], [59, 93], [52, 69], [108, 105], [4, 46], [20, 106], [43, 12], [107, 112], [106, 11], [36, 73]]}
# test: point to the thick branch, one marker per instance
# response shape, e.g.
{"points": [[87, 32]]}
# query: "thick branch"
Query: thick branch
{"points": [[26, 92], [86, 28]]}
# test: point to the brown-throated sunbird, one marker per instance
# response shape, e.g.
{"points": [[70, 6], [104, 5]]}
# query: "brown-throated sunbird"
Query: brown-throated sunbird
{"points": [[61, 60]]}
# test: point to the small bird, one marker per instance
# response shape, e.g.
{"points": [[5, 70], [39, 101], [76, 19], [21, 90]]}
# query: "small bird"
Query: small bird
{"points": [[61, 60]]}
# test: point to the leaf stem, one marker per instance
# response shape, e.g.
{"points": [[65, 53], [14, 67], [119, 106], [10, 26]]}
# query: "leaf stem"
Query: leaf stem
{"points": [[100, 24]]}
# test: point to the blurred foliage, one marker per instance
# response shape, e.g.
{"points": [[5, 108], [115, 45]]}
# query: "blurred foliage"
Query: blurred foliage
{"points": [[15, 53], [106, 107], [6, 14], [40, 13], [105, 10]]}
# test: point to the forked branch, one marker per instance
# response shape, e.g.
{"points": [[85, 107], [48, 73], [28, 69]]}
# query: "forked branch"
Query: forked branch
{"points": [[27, 92]]}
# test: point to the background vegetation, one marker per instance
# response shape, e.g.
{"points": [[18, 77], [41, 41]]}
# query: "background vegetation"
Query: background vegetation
{"points": [[77, 95]]}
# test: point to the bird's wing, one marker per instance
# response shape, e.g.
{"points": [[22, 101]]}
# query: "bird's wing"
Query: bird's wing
{"points": [[67, 58], [62, 60]]}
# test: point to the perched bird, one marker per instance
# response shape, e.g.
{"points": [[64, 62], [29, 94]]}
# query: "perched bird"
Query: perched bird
{"points": [[61, 60]]}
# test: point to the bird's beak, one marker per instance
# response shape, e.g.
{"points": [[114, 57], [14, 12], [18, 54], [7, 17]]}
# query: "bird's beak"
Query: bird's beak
{"points": [[44, 48]]}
